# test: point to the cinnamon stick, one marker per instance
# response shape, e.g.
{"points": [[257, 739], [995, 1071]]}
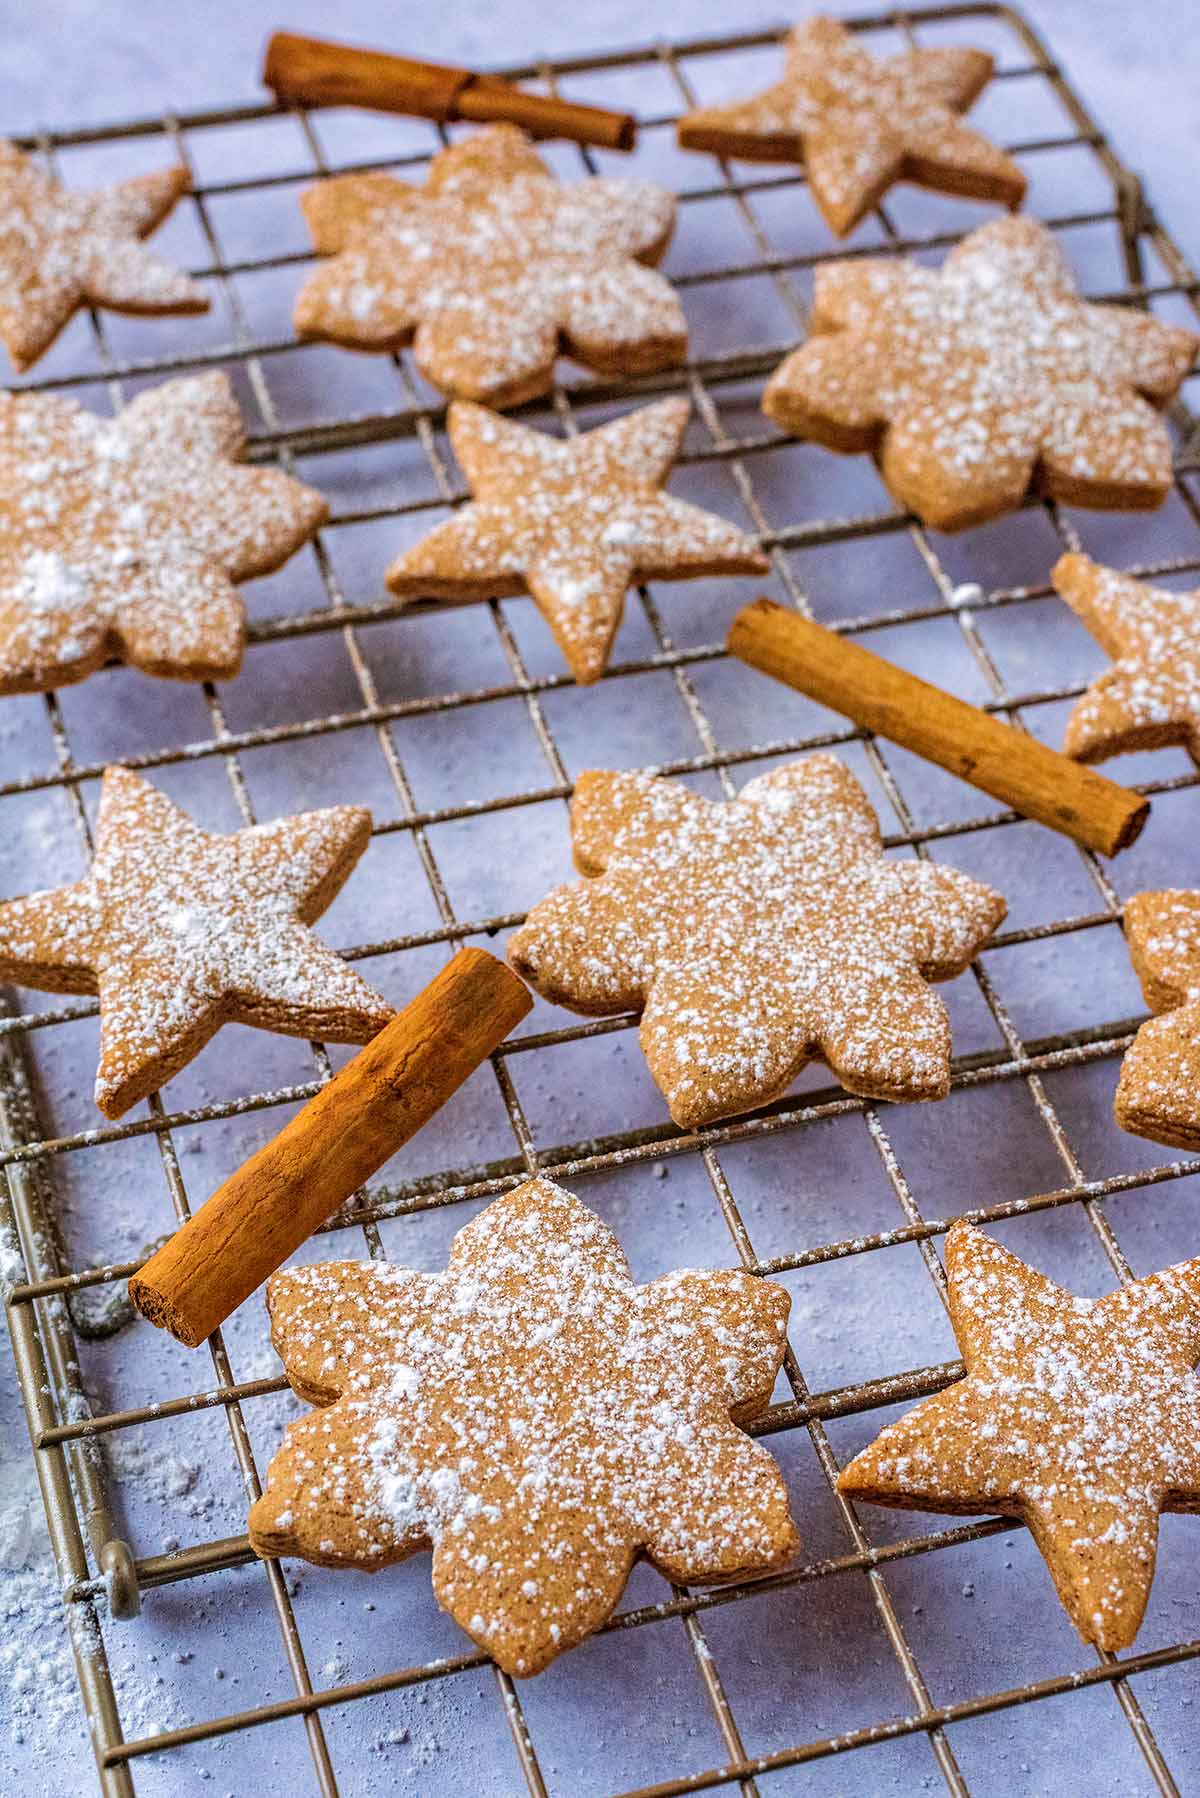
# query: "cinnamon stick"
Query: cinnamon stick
{"points": [[994, 756], [275, 1201], [316, 72]]}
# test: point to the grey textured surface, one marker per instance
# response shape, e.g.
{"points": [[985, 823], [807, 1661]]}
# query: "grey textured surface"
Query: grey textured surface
{"points": [[812, 1659]]}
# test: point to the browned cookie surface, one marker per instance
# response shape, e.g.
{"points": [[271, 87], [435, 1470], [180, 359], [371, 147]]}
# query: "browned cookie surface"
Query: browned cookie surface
{"points": [[179, 931], [1159, 1090], [1150, 697], [61, 249], [978, 382], [534, 1417], [1080, 1416], [123, 537], [492, 268], [571, 522], [756, 934], [859, 123]]}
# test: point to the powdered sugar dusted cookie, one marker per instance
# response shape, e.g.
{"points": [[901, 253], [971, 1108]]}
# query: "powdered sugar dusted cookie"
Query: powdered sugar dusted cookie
{"points": [[1080, 1416], [533, 1417], [571, 522], [60, 250], [860, 124], [122, 538], [990, 377], [179, 932], [1159, 1091], [1150, 697], [492, 268], [755, 935]]}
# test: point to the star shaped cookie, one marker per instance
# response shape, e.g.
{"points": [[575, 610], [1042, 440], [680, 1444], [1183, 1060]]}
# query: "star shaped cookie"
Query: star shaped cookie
{"points": [[572, 523], [985, 379], [533, 1417], [179, 932], [60, 250], [492, 268], [859, 124], [1159, 1091], [1150, 697], [756, 934], [121, 538], [1080, 1416]]}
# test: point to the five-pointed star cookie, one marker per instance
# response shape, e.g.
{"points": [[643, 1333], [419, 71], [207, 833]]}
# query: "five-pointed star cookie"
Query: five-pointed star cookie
{"points": [[859, 125], [60, 250], [122, 538], [1159, 1091], [492, 268], [756, 934], [572, 523], [179, 932], [1080, 1416], [974, 383], [533, 1417], [1151, 695]]}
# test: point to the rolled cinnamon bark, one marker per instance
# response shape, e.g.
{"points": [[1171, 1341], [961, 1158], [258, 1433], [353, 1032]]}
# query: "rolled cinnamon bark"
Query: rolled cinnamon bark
{"points": [[996, 757], [275, 1201], [314, 72]]}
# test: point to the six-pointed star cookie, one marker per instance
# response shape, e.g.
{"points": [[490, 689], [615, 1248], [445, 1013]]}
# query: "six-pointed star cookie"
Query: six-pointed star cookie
{"points": [[1159, 1090], [60, 250], [179, 932], [1150, 697], [988, 377], [123, 537], [1080, 1416], [534, 1417], [859, 125], [571, 523], [492, 267], [756, 934]]}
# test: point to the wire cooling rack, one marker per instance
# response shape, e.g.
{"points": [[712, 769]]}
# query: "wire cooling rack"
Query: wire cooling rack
{"points": [[103, 1579]]}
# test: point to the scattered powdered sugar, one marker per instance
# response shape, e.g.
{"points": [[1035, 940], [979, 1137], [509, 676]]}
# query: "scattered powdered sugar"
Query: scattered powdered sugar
{"points": [[123, 537], [865, 122], [986, 371], [574, 522], [177, 929], [533, 1415], [490, 263], [12, 1262], [756, 934], [170, 1478], [39, 1698]]}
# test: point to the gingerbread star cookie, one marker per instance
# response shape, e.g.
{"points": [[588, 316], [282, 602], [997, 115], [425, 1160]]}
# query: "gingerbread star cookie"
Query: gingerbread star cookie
{"points": [[1080, 1416], [572, 523], [492, 268], [859, 124], [121, 538], [1159, 1091], [1150, 697], [988, 378], [179, 932], [533, 1417], [756, 934], [60, 250]]}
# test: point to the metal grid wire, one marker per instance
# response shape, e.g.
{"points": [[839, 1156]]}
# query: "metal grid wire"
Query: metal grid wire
{"points": [[95, 1565]]}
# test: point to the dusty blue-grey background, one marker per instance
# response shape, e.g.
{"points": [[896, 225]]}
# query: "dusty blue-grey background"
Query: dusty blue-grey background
{"points": [[627, 1708]]}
